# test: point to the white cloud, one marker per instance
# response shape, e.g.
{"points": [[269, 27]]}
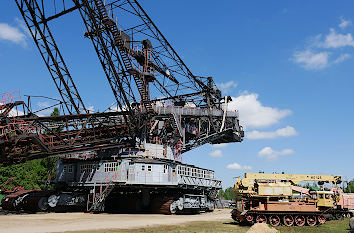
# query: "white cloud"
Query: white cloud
{"points": [[23, 26], [310, 60], [91, 109], [337, 40], [344, 23], [13, 112], [270, 154], [216, 153], [236, 166], [44, 109], [288, 131], [322, 48], [116, 108], [221, 145], [226, 87], [16, 112], [44, 104], [12, 34], [253, 114], [342, 58]]}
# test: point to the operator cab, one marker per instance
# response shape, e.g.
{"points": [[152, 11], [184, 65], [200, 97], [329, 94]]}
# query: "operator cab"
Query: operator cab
{"points": [[324, 199]]}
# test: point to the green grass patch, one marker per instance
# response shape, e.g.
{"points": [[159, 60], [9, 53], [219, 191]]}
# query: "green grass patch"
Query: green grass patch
{"points": [[337, 226], [217, 226]]}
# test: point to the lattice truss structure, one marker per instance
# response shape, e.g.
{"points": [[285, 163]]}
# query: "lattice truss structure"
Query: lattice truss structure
{"points": [[157, 96]]}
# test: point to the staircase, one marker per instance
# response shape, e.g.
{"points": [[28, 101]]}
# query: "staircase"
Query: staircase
{"points": [[96, 198], [138, 77], [177, 124]]}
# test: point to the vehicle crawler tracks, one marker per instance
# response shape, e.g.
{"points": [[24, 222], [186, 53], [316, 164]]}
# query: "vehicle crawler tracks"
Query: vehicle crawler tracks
{"points": [[28, 200], [161, 206], [31, 201], [281, 218]]}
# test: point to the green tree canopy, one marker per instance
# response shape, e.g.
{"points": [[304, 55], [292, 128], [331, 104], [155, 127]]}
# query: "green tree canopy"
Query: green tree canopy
{"points": [[228, 194], [350, 187], [31, 174]]}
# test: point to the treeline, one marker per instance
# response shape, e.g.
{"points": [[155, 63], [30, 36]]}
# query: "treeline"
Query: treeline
{"points": [[348, 186], [227, 194], [31, 174]]}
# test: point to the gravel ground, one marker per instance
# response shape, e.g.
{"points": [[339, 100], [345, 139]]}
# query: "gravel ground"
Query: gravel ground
{"points": [[59, 222]]}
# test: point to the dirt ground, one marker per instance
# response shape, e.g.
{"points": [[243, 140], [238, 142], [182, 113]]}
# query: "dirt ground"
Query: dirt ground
{"points": [[59, 222]]}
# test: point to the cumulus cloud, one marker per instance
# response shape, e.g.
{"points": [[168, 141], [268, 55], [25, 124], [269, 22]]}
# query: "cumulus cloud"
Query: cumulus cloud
{"points": [[221, 145], [216, 153], [236, 166], [288, 131], [342, 58], [344, 23], [44, 104], [20, 23], [253, 114], [12, 34], [311, 60], [337, 40], [91, 109], [45, 108], [323, 49], [227, 86], [270, 154], [13, 112]]}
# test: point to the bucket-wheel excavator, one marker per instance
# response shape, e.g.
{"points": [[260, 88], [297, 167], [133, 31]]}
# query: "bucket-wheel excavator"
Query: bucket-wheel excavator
{"points": [[130, 157]]}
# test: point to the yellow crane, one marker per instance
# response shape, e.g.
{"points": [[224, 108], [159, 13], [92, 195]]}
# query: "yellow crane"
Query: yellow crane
{"points": [[268, 197]]}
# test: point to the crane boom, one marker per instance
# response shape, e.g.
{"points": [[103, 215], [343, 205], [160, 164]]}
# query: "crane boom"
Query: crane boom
{"points": [[293, 178], [256, 183]]}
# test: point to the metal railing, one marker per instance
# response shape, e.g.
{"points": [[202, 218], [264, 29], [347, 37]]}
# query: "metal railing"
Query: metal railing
{"points": [[170, 109]]}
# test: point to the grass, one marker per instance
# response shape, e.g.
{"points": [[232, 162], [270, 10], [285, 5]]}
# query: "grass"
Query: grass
{"points": [[191, 227], [337, 226]]}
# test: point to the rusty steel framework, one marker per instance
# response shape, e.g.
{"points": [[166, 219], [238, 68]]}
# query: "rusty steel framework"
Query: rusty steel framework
{"points": [[146, 76]]}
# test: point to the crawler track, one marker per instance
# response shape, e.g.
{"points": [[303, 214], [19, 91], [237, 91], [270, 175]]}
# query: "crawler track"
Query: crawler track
{"points": [[161, 206], [280, 218]]}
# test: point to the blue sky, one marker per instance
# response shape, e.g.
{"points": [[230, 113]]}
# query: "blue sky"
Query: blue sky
{"points": [[288, 65]]}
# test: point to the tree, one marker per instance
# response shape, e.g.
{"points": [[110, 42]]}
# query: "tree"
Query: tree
{"points": [[31, 174], [55, 112], [350, 187], [59, 128], [228, 194], [313, 187]]}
